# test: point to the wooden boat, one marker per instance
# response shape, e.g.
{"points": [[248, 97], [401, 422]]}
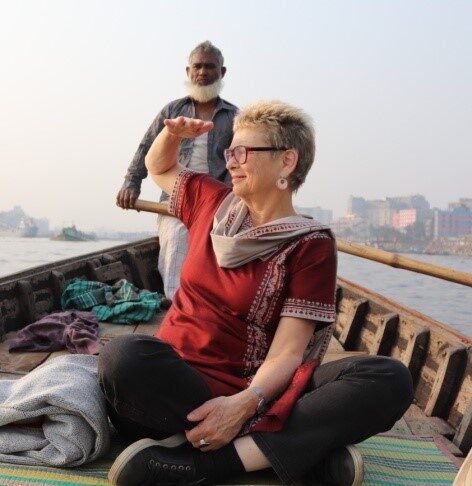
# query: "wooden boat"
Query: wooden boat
{"points": [[439, 358], [71, 233]]}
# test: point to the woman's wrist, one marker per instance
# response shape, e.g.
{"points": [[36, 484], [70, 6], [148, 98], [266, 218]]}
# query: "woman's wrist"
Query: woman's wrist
{"points": [[249, 402], [261, 401]]}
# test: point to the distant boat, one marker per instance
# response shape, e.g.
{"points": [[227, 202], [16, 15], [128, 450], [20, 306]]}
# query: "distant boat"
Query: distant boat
{"points": [[71, 233], [25, 229]]}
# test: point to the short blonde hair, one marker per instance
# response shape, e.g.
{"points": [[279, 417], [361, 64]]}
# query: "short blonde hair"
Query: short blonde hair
{"points": [[286, 126]]}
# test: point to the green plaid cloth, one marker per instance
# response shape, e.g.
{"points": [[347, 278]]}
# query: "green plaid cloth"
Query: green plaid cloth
{"points": [[121, 303]]}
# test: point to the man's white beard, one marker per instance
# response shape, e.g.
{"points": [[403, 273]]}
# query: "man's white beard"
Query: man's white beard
{"points": [[202, 94]]}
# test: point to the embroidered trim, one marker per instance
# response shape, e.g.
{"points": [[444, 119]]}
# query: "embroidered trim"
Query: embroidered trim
{"points": [[307, 309], [277, 228], [246, 224], [231, 217], [261, 312], [320, 343], [176, 198]]}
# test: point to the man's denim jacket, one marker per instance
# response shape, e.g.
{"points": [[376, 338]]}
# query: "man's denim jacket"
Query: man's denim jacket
{"points": [[219, 138]]}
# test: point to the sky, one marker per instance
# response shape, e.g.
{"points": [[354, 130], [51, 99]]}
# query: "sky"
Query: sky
{"points": [[388, 85]]}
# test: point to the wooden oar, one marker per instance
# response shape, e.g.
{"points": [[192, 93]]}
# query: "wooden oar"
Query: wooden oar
{"points": [[399, 261], [363, 251], [152, 207]]}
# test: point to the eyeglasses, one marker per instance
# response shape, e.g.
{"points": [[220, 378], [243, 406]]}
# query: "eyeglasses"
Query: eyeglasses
{"points": [[240, 152]]}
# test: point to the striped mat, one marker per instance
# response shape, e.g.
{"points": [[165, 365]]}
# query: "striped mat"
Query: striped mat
{"points": [[407, 460], [389, 460]]}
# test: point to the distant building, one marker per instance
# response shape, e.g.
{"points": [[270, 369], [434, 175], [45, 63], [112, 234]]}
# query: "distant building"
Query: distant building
{"points": [[357, 206], [353, 226], [381, 212], [416, 201], [404, 218], [463, 201], [16, 216], [324, 216], [13, 217], [453, 222]]}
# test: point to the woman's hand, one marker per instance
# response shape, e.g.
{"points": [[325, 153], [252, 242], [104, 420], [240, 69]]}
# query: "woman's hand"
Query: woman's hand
{"points": [[162, 158], [184, 127], [221, 419]]}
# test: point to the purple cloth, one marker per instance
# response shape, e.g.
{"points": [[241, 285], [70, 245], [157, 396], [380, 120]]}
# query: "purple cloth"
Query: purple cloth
{"points": [[76, 331]]}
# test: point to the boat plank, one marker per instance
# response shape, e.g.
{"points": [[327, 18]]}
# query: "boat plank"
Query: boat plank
{"points": [[411, 346], [463, 436], [334, 346], [108, 330], [112, 272], [386, 327], [420, 424], [460, 415], [451, 368], [453, 449], [18, 362], [26, 300], [400, 428], [149, 328], [57, 286], [350, 319]]}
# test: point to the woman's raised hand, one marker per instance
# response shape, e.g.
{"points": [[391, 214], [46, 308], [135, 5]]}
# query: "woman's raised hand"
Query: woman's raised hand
{"points": [[184, 127]]}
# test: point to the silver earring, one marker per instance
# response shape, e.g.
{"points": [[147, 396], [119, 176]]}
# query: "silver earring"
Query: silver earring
{"points": [[282, 183]]}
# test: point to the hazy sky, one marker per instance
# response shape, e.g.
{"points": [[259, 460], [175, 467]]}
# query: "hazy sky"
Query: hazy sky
{"points": [[388, 84]]}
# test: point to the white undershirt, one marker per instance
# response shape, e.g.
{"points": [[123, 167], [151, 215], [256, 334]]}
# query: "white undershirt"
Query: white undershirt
{"points": [[199, 159]]}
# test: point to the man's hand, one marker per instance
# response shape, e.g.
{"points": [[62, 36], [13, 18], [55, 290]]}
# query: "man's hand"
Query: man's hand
{"points": [[221, 419], [184, 127], [126, 198]]}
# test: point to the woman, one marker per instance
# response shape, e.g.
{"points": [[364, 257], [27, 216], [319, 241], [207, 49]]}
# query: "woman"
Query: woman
{"points": [[257, 289]]}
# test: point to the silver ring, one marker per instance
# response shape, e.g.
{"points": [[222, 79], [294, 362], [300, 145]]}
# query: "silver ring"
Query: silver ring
{"points": [[203, 442]]}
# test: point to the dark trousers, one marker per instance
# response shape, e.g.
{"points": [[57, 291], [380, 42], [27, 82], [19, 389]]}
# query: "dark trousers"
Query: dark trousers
{"points": [[150, 390]]}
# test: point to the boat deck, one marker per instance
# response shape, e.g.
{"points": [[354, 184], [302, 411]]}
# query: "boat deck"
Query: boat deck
{"points": [[414, 422]]}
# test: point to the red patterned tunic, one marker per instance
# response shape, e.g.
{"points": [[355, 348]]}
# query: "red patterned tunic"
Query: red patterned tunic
{"points": [[222, 321]]}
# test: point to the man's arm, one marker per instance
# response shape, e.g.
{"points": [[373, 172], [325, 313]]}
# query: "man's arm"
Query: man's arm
{"points": [[137, 171]]}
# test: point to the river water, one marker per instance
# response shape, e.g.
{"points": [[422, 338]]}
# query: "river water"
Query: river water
{"points": [[445, 301]]}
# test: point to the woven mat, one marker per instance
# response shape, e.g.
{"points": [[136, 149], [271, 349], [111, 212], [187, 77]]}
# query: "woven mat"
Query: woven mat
{"points": [[389, 461], [406, 460]]}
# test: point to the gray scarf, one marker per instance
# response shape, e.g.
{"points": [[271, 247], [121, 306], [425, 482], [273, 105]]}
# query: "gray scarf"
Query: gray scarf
{"points": [[234, 248]]}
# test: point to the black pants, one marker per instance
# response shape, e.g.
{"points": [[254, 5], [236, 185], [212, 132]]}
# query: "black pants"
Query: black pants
{"points": [[150, 390]]}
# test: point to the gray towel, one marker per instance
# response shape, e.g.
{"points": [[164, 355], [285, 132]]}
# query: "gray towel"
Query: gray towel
{"points": [[63, 398]]}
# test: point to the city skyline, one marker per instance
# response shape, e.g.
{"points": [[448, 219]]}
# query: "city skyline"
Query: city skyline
{"points": [[387, 85], [310, 210]]}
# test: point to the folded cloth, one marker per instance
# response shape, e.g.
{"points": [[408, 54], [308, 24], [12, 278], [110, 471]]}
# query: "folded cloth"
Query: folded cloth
{"points": [[121, 303], [76, 331], [63, 402], [274, 418]]}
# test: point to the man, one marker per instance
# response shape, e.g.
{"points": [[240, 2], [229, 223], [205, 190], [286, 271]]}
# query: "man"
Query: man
{"points": [[205, 74]]}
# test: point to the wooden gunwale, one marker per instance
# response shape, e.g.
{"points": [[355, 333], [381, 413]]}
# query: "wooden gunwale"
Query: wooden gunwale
{"points": [[402, 309], [377, 323], [88, 256]]}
